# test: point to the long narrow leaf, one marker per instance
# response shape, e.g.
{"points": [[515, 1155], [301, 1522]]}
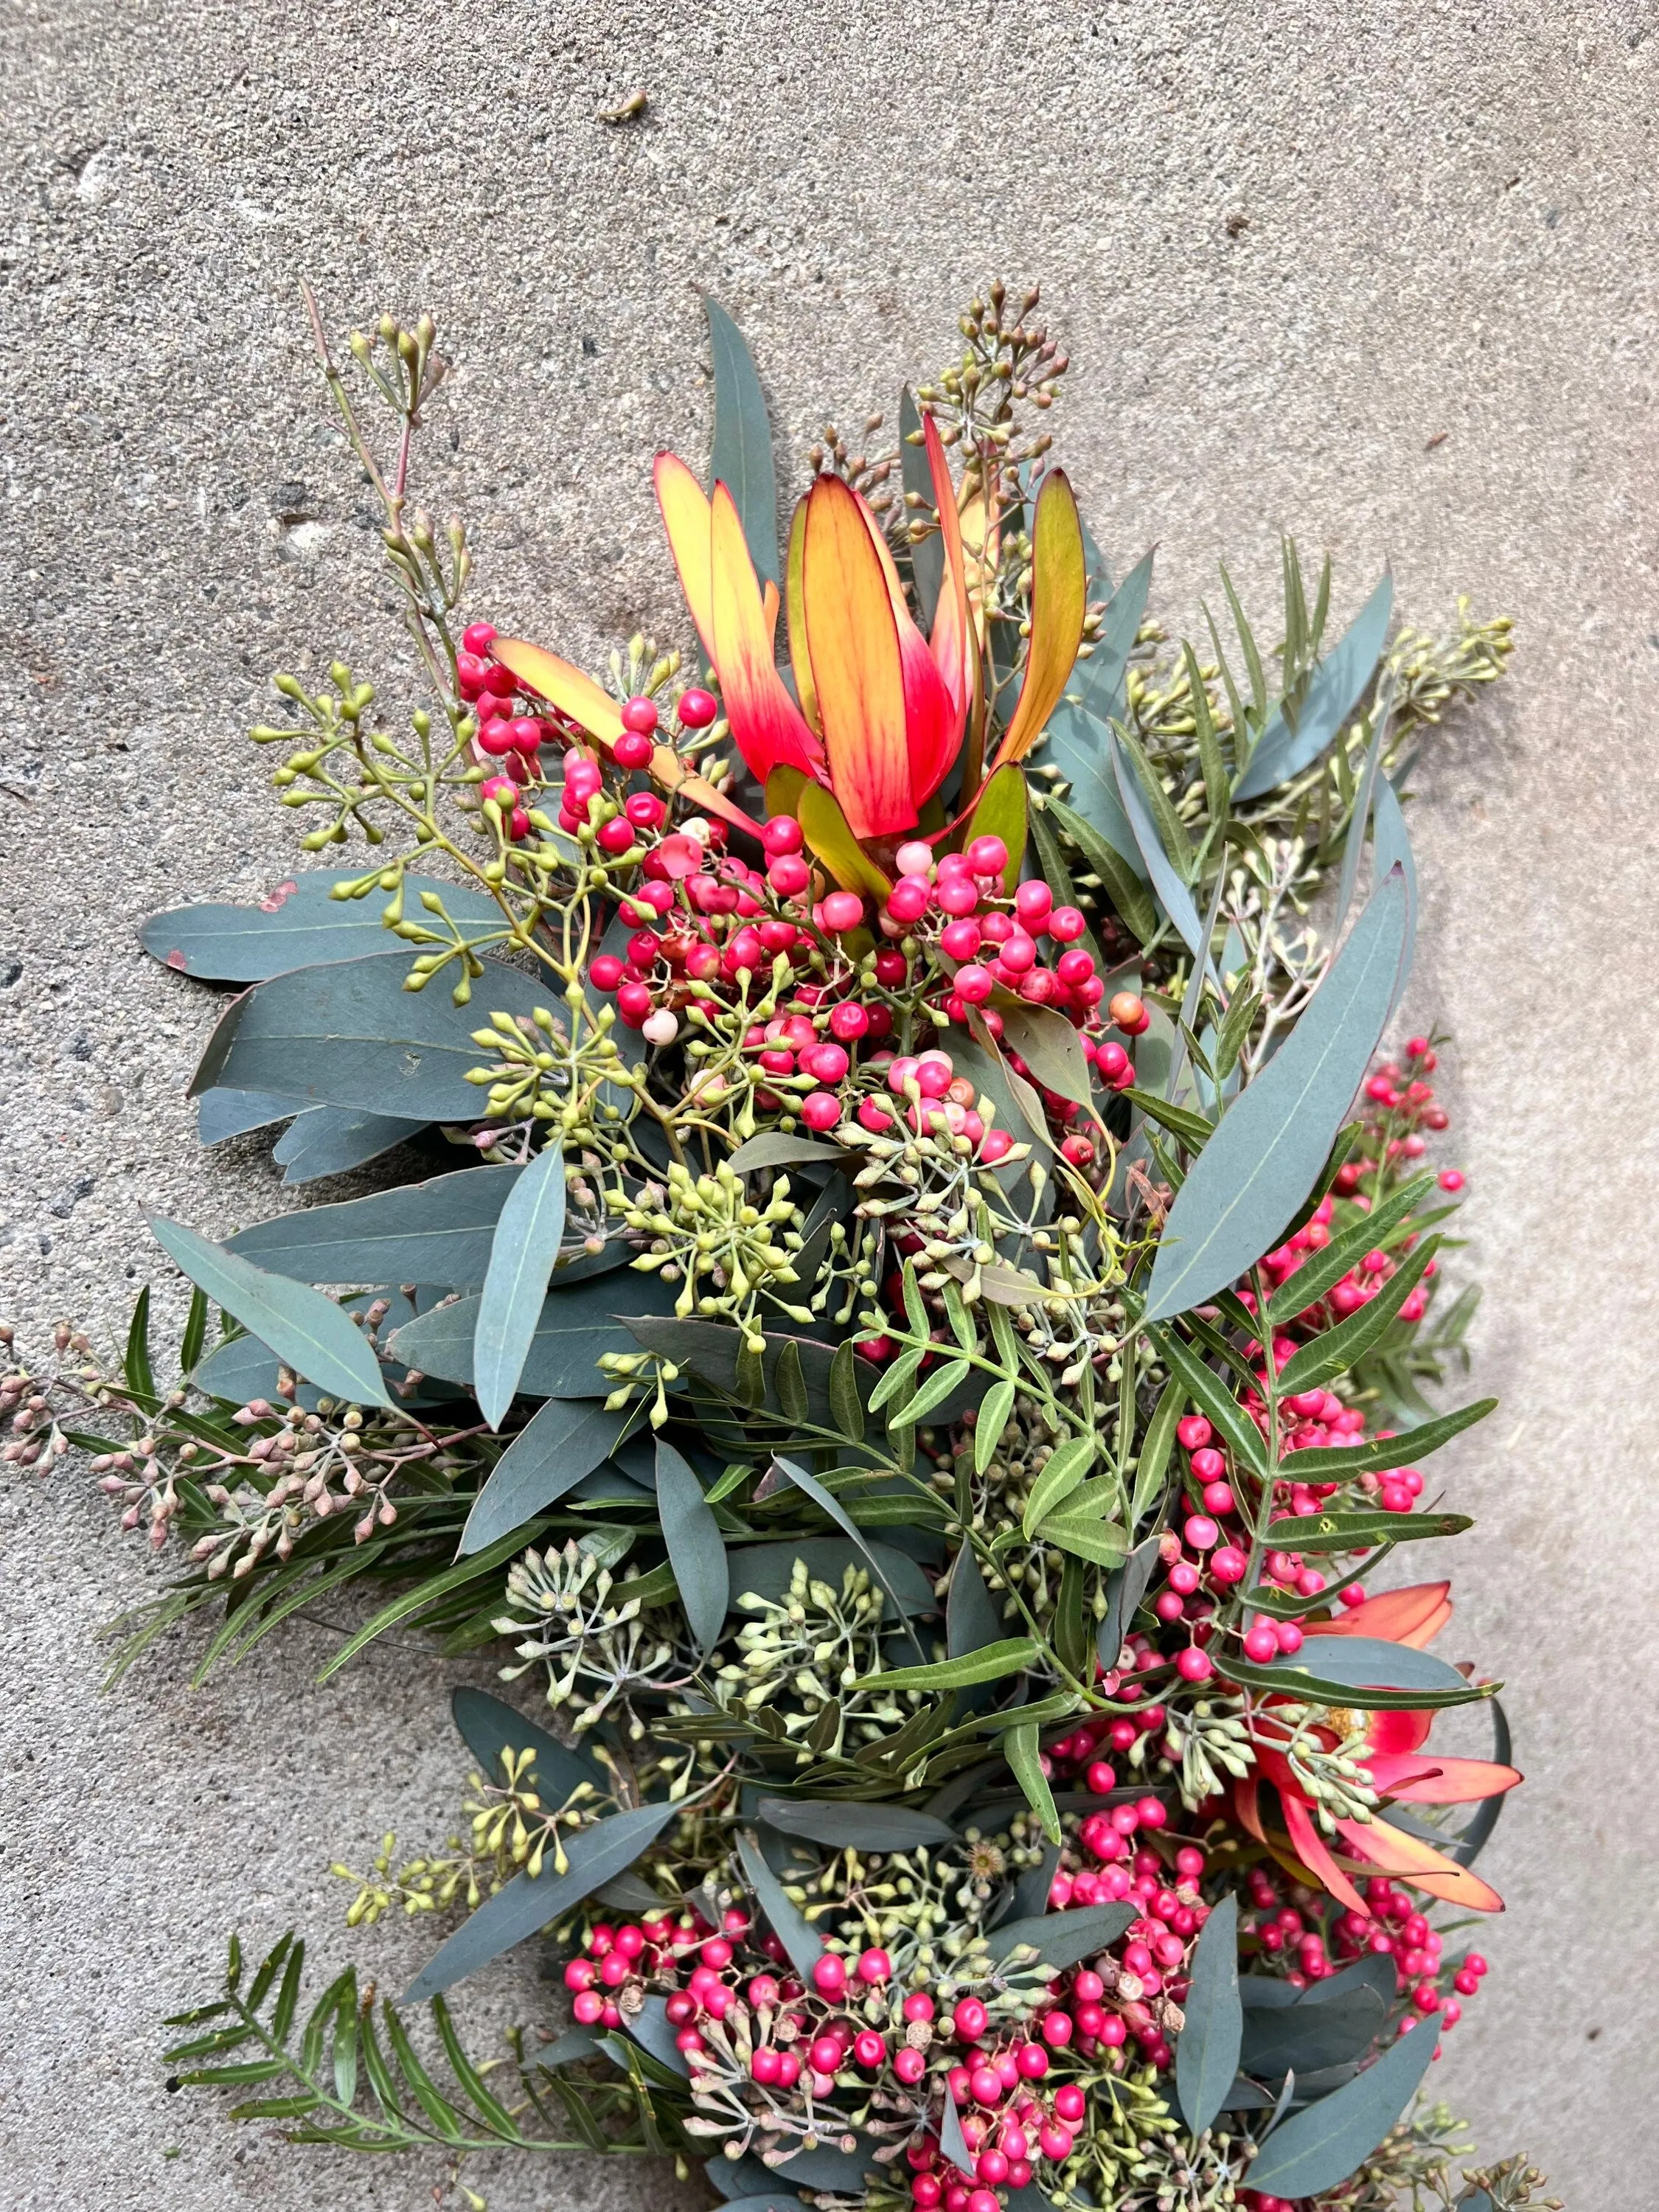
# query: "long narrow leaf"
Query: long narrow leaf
{"points": [[522, 1255]]}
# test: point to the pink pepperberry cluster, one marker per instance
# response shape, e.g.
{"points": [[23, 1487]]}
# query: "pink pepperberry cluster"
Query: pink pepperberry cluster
{"points": [[849, 2027], [1314, 1941]]}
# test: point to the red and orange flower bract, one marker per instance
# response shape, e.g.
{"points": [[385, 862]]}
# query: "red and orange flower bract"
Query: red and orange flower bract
{"points": [[880, 711], [1393, 1754]]}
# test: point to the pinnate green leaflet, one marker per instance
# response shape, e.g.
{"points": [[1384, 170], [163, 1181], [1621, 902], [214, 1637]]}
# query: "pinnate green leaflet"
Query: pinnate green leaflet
{"points": [[1322, 1270], [1332, 1463]]}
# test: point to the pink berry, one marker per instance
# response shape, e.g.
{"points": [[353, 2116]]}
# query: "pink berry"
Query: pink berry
{"points": [[633, 749], [975, 984], [968, 2020], [1201, 1532], [848, 1020], [788, 875], [988, 856], [994, 1145], [909, 2065], [478, 637], [842, 910], [1451, 1179], [1194, 1665], [908, 900], [1066, 925], [820, 1109], [1288, 1636], [697, 708], [956, 895], [638, 714], [781, 833], [828, 1975], [1261, 1643], [1032, 903], [874, 1966]]}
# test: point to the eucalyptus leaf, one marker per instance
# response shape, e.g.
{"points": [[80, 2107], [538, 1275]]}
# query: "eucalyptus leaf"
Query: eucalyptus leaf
{"points": [[1264, 1159], [695, 1546], [843, 1825], [1124, 1590], [1050, 1048], [567, 1439], [307, 1331], [797, 1935], [1393, 849], [328, 1140], [1207, 2048], [774, 1149], [829, 1504], [1061, 1938], [576, 1326], [1173, 894], [522, 1253], [742, 457], [349, 1035], [1323, 2145], [1294, 738], [532, 1901], [490, 1726], [437, 1232], [302, 925], [221, 1114]]}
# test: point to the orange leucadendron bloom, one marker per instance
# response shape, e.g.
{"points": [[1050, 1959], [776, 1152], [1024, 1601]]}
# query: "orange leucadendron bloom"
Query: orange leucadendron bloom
{"points": [[1391, 1751], [879, 712]]}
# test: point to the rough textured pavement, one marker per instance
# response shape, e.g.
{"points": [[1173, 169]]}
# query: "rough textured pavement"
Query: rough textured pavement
{"points": [[1381, 275]]}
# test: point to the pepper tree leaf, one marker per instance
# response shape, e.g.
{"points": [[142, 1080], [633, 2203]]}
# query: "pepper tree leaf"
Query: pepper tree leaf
{"points": [[1316, 2148], [988, 1664], [531, 1901], [349, 1035], [741, 455], [1331, 1462], [1080, 1525], [521, 1256], [1060, 1473], [1206, 2049], [1323, 1269], [307, 1331], [1310, 1687], [1267, 1154], [1020, 1746], [798, 1938], [567, 1439], [1334, 1351], [695, 1548], [1294, 738]]}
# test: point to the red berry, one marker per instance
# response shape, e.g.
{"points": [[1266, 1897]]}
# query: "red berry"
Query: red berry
{"points": [[1261, 1643], [478, 637], [1032, 903], [1128, 1012], [633, 749], [828, 1973], [1066, 925], [820, 1109], [616, 835], [1194, 1665], [1451, 1179], [697, 708], [848, 1020], [908, 900], [975, 984], [994, 1145], [638, 714]]}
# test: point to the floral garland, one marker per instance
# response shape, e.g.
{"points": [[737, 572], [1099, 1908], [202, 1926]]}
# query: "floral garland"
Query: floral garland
{"points": [[903, 1344]]}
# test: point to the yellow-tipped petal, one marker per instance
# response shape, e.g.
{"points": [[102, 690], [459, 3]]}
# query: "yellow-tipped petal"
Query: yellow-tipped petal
{"points": [[561, 686], [1059, 603], [853, 640]]}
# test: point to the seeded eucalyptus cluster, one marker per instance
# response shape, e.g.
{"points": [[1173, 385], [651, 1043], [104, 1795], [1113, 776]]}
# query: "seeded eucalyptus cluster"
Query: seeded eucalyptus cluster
{"points": [[895, 1310]]}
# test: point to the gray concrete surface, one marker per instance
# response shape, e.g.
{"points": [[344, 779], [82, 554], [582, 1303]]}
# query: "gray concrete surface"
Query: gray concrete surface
{"points": [[1289, 247]]}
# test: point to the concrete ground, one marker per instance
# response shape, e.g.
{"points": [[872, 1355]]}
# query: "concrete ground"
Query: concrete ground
{"points": [[1383, 275]]}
